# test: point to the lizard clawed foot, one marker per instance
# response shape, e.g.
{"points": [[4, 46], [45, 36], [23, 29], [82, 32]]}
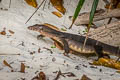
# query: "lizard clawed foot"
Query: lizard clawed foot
{"points": [[66, 54], [40, 37]]}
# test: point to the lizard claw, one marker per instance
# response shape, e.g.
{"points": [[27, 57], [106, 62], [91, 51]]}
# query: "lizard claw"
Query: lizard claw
{"points": [[39, 37]]}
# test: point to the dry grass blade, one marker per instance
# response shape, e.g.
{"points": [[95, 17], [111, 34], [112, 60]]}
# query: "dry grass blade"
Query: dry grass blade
{"points": [[9, 3], [8, 54], [6, 63], [35, 11]]}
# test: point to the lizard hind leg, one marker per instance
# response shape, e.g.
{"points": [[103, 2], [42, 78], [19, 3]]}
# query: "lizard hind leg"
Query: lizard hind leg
{"points": [[99, 52]]}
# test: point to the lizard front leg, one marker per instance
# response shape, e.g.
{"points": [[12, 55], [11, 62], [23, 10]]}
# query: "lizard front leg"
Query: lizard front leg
{"points": [[65, 46]]}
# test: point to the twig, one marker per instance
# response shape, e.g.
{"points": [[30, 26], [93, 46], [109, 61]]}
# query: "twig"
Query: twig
{"points": [[35, 11], [48, 50], [58, 75], [10, 4], [9, 54], [85, 39], [44, 5]]}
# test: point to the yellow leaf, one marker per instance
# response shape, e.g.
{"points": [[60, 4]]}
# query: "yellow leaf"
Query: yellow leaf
{"points": [[32, 3], [108, 63], [58, 4], [57, 14]]}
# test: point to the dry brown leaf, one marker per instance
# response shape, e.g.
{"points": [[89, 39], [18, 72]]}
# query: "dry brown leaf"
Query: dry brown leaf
{"points": [[58, 4], [108, 63], [6, 63], [3, 33], [84, 77], [11, 31], [57, 14], [32, 3], [22, 68], [42, 76]]}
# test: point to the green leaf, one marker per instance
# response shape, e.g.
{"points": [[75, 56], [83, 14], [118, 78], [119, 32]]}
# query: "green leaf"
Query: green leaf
{"points": [[53, 46], [63, 29], [92, 12], [79, 6]]}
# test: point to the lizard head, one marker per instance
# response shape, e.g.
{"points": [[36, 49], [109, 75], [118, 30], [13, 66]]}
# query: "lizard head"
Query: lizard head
{"points": [[36, 27]]}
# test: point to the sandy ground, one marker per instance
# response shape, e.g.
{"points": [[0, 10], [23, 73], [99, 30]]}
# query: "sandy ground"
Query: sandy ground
{"points": [[25, 43]]}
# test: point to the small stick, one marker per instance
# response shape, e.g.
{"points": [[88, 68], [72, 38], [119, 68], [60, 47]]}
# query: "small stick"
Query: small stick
{"points": [[58, 75], [44, 5], [35, 11], [48, 50], [9, 54], [10, 4], [85, 40]]}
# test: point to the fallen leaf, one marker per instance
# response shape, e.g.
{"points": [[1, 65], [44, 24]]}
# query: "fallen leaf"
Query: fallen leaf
{"points": [[84, 77], [107, 63], [58, 4], [32, 3], [11, 31], [57, 14], [63, 29], [6, 63], [40, 76], [3, 33], [22, 68], [53, 46]]}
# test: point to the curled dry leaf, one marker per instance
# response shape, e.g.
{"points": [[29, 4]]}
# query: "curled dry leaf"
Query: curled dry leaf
{"points": [[32, 3], [11, 31], [58, 4], [22, 68], [6, 63], [57, 14]]}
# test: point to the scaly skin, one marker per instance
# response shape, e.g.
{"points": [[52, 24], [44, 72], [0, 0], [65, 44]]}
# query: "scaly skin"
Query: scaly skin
{"points": [[75, 42]]}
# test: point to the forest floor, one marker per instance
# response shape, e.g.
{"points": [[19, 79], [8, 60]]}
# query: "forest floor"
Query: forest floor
{"points": [[19, 45]]}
